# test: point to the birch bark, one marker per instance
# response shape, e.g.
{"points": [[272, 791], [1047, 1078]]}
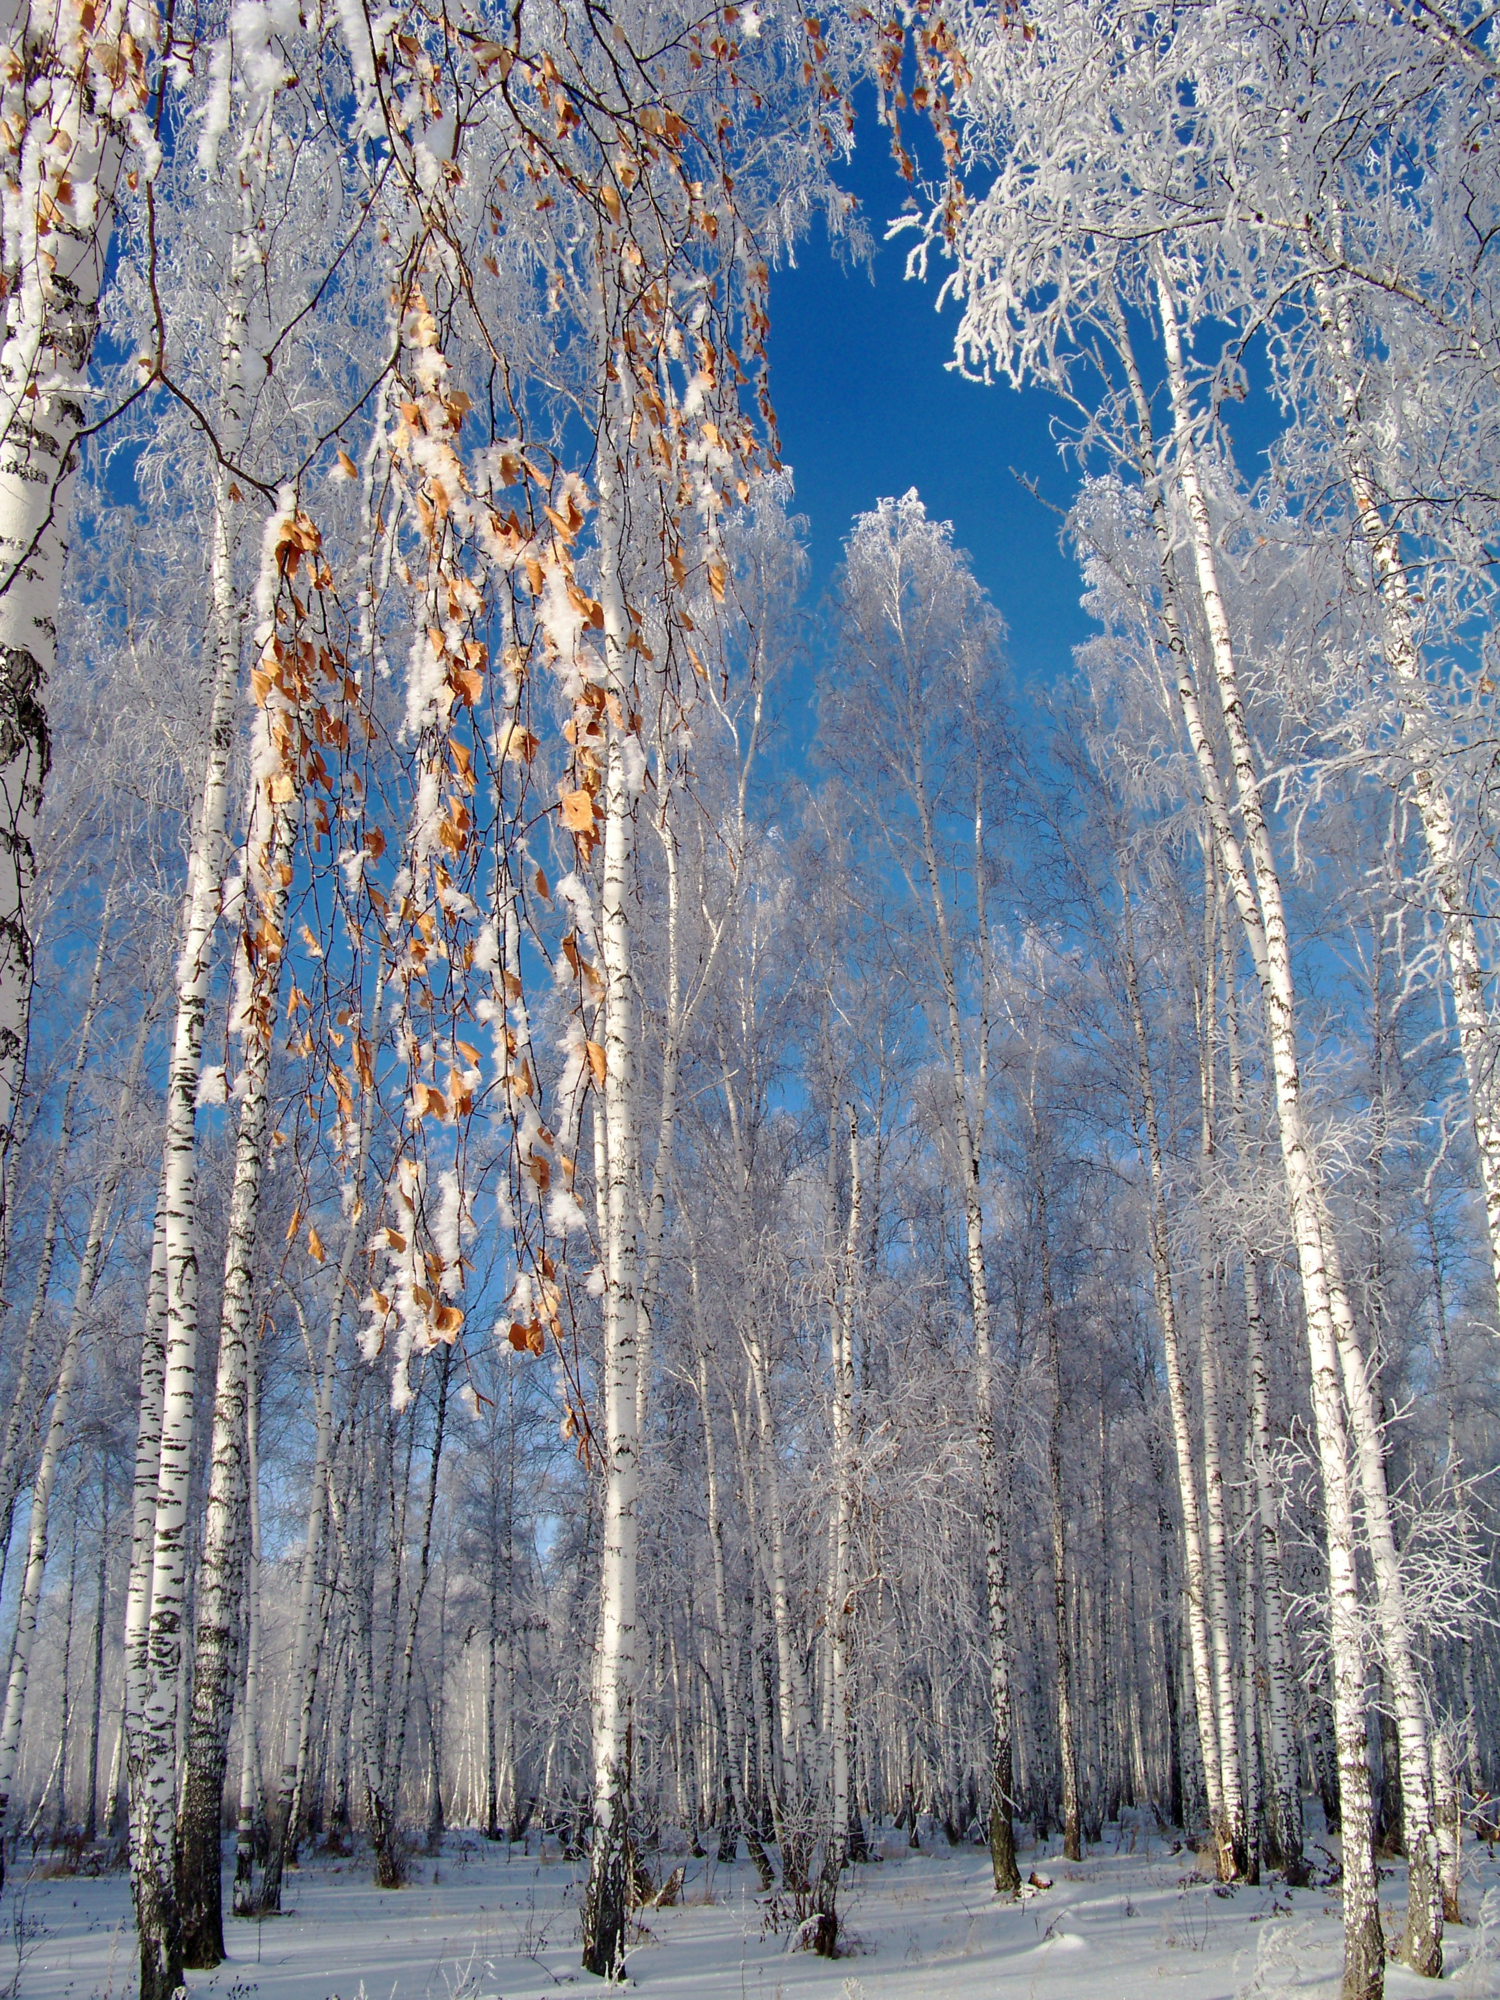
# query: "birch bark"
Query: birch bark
{"points": [[74, 81], [1195, 1590], [1332, 1340], [1231, 1835], [1364, 1943], [1403, 655], [1067, 1740], [96, 1716], [222, 1568], [244, 1849], [996, 1563], [617, 1658], [301, 1682], [727, 1694], [1285, 1801]]}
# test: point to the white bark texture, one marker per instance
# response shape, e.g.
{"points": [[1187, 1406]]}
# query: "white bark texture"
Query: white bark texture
{"points": [[1403, 655], [1195, 1588], [301, 1683], [72, 79], [616, 1662], [1333, 1347]]}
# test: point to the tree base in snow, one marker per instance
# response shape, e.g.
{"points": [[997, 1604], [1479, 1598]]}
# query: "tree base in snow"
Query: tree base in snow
{"points": [[606, 1902]]}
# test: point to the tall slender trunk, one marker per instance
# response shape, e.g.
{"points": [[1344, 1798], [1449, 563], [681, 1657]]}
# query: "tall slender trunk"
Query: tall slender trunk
{"points": [[1230, 1836], [222, 1568], [1067, 1741], [1333, 1352], [301, 1683], [727, 1691], [154, 1859], [790, 1795], [63, 151], [491, 1669], [996, 1561], [1364, 1945], [65, 1674], [1403, 655], [617, 1658], [836, 1848], [143, 1519], [1195, 1583], [1285, 1801], [96, 1711], [1171, 1644], [244, 1848], [387, 1872], [272, 823]]}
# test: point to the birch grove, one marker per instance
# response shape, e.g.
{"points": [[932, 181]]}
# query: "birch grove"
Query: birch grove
{"points": [[655, 1212]]}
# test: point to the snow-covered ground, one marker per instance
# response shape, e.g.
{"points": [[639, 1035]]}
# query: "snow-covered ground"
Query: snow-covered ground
{"points": [[484, 1923]]}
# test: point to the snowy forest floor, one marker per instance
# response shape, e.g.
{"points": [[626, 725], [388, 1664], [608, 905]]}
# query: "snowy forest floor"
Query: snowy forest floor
{"points": [[481, 1922]]}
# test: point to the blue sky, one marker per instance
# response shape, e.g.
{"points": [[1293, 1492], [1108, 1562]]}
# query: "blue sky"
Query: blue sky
{"points": [[867, 408]]}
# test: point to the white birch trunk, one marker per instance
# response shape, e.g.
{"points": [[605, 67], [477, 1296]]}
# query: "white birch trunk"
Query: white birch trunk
{"points": [[1285, 1802], [1404, 659], [1334, 1353], [143, 1515], [843, 1446], [1194, 1568], [73, 78], [617, 1658], [221, 1586], [1066, 1693], [732, 1737], [996, 1560], [244, 1853], [1364, 1944], [162, 1716], [1230, 1835], [791, 1798], [300, 1680]]}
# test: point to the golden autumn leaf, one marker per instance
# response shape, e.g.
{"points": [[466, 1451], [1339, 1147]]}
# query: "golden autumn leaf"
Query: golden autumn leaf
{"points": [[314, 1244], [447, 1321], [598, 1062], [578, 812]]}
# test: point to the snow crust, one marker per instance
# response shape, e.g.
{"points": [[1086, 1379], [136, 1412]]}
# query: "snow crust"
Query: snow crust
{"points": [[485, 1921]]}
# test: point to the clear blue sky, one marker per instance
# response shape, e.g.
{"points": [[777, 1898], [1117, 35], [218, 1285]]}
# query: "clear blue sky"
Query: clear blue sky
{"points": [[868, 408]]}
